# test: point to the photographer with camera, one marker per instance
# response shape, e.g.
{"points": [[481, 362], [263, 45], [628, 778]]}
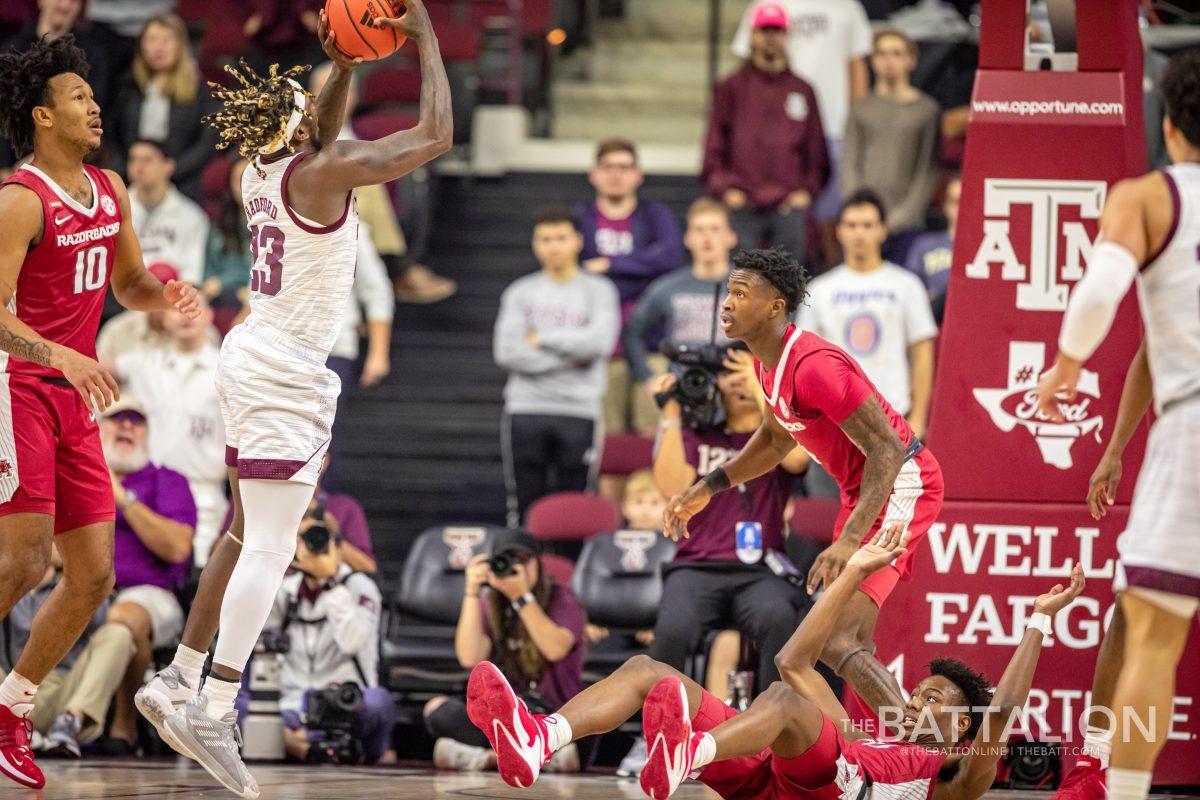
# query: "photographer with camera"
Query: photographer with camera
{"points": [[325, 622], [516, 616]]}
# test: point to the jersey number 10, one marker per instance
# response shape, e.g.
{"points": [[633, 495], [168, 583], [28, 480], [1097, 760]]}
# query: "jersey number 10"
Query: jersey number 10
{"points": [[91, 269]]}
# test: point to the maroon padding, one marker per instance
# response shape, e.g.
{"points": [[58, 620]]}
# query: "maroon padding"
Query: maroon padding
{"points": [[814, 518], [571, 517], [231, 456], [559, 568], [626, 453], [392, 85], [1163, 581]]}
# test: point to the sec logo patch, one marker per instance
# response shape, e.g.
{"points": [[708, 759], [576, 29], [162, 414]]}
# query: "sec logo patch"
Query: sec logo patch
{"points": [[109, 206]]}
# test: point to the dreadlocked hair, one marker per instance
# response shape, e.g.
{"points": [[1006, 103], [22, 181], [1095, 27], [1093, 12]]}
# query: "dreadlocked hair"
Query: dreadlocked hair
{"points": [[975, 688], [24, 85], [255, 113], [779, 269]]}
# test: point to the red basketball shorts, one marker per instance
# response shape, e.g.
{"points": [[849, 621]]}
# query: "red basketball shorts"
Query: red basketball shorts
{"points": [[809, 776], [51, 461], [916, 501]]}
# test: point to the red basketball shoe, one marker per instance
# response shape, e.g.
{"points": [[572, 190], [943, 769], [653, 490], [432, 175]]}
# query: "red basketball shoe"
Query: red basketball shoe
{"points": [[670, 741], [517, 736], [16, 759], [1085, 781]]}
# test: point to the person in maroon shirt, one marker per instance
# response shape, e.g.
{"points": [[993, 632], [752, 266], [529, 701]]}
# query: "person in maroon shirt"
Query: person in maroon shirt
{"points": [[765, 156], [718, 578], [820, 398]]}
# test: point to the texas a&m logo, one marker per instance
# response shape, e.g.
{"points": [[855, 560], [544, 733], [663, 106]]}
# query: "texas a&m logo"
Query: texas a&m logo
{"points": [[1042, 276]]}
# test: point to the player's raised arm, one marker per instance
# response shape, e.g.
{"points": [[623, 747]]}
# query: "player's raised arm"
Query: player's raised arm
{"points": [[798, 658], [23, 225], [977, 770], [331, 102], [132, 284], [347, 164]]}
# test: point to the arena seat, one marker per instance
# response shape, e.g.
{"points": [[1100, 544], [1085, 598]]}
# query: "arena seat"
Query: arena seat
{"points": [[391, 85], [562, 570], [418, 646], [618, 578], [214, 183], [571, 517], [814, 518], [382, 123], [626, 453]]}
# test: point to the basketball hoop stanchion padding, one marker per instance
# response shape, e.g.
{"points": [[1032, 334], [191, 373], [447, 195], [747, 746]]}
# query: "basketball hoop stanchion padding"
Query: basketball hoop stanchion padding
{"points": [[1043, 150]]}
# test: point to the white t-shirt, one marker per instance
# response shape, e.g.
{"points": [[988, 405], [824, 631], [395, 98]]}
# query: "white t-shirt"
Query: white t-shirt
{"points": [[174, 231], [824, 37], [874, 316]]}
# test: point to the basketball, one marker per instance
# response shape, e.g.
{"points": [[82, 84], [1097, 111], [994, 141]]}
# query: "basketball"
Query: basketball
{"points": [[350, 21]]}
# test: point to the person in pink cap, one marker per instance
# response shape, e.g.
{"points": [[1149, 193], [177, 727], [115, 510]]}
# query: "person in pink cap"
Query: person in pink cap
{"points": [[133, 331], [765, 157]]}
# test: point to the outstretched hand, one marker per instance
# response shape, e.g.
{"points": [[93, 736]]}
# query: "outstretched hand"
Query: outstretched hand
{"points": [[184, 297], [1059, 598], [413, 23], [885, 547], [328, 39], [682, 507]]}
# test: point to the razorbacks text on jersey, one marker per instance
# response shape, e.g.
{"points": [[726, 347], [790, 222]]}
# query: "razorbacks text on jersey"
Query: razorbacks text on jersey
{"points": [[60, 292]]}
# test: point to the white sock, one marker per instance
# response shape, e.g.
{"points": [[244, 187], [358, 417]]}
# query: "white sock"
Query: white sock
{"points": [[190, 664], [220, 695], [558, 732], [273, 510], [1097, 743], [706, 751], [17, 693], [1128, 784]]}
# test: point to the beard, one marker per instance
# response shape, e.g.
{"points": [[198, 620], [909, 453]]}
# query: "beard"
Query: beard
{"points": [[125, 462]]}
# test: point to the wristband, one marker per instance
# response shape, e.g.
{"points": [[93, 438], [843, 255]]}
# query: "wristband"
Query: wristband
{"points": [[717, 480], [1040, 622], [523, 601]]}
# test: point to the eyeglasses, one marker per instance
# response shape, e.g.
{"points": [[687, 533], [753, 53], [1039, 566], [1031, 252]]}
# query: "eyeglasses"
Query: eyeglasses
{"points": [[132, 417]]}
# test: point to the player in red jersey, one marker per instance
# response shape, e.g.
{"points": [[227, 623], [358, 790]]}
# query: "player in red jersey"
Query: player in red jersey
{"points": [[821, 400], [795, 740], [64, 236]]}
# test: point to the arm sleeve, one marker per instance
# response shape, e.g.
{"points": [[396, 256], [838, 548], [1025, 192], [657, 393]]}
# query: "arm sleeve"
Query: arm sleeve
{"points": [[825, 382], [594, 340], [354, 613], [649, 311], [662, 253], [716, 174], [509, 347], [918, 314], [1095, 300], [371, 285]]}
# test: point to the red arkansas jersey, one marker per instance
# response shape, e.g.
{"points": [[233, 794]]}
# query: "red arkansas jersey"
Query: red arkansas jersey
{"points": [[63, 282], [811, 391], [892, 770]]}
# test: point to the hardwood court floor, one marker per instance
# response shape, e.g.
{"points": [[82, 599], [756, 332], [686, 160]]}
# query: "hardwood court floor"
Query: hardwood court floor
{"points": [[168, 780]]}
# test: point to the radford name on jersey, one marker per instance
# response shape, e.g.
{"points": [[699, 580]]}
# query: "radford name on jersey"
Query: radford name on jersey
{"points": [[63, 282]]}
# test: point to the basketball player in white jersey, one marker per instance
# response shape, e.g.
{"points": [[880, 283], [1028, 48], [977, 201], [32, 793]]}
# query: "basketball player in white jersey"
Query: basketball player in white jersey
{"points": [[1150, 232], [277, 396]]}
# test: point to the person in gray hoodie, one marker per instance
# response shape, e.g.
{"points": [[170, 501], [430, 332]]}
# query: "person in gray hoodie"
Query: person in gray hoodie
{"points": [[554, 333]]}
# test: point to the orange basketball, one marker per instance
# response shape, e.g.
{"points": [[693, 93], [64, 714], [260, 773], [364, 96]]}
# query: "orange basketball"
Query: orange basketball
{"points": [[350, 21]]}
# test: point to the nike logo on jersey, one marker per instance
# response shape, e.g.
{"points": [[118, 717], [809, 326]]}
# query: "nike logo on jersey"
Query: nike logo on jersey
{"points": [[61, 221]]}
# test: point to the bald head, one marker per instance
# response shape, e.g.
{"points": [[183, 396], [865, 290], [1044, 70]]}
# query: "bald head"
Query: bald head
{"points": [[320, 76]]}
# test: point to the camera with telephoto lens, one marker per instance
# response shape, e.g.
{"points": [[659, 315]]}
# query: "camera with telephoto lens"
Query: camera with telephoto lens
{"points": [[696, 385], [333, 710]]}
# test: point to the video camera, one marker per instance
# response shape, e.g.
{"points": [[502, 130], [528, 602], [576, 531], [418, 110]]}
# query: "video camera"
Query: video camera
{"points": [[696, 389], [333, 711]]}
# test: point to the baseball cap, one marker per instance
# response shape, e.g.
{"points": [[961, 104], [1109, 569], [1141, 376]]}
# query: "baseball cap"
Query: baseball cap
{"points": [[163, 271], [515, 541], [770, 15], [127, 403]]}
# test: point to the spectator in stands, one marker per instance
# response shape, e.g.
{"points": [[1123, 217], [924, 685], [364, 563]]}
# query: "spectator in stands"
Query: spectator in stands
{"points": [[354, 534], [877, 312], [632, 242], [766, 156], [227, 251], [527, 625], [414, 283], [72, 702], [330, 614], [891, 142], [553, 335], [932, 253], [828, 45], [170, 227], [176, 386], [116, 26], [685, 305], [163, 101], [131, 331], [156, 520]]}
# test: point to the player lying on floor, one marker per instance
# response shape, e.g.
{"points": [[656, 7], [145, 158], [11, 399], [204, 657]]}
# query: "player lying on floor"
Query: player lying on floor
{"points": [[796, 739]]}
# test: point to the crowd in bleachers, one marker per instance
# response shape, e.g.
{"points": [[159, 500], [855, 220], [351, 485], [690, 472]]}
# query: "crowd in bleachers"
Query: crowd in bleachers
{"points": [[820, 146]]}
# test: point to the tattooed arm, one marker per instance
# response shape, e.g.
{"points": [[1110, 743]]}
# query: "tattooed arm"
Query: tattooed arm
{"points": [[22, 214]]}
